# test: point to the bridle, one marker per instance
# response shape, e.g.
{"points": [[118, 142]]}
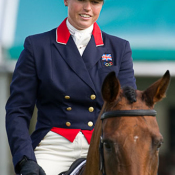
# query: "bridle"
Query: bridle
{"points": [[120, 113]]}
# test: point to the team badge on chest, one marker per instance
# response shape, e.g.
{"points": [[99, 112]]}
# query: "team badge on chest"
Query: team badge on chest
{"points": [[107, 60]]}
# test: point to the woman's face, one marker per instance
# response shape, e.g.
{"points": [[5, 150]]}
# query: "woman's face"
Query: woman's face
{"points": [[83, 13]]}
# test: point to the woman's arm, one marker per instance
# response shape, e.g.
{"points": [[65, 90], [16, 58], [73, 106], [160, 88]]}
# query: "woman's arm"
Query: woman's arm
{"points": [[20, 105]]}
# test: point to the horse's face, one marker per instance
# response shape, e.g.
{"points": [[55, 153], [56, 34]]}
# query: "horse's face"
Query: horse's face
{"points": [[131, 144]]}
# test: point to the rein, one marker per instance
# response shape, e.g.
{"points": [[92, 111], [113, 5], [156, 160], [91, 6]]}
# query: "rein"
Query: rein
{"points": [[120, 113]]}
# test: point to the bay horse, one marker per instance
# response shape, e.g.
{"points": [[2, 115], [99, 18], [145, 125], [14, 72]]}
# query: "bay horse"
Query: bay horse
{"points": [[128, 135]]}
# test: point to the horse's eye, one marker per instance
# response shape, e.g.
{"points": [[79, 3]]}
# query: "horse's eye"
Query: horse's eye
{"points": [[107, 145], [158, 144]]}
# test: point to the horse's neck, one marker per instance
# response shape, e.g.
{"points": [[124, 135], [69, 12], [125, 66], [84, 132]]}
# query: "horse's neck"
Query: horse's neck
{"points": [[92, 164]]}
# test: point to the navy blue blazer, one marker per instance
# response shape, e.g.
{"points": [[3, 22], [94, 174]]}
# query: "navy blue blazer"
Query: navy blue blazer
{"points": [[52, 74]]}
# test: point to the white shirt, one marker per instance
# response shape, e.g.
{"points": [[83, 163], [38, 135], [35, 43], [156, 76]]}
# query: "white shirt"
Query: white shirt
{"points": [[80, 37]]}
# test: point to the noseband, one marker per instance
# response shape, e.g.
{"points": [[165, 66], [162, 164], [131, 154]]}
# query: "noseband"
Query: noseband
{"points": [[120, 113]]}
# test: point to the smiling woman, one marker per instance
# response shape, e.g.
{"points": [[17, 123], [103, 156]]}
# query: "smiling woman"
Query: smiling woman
{"points": [[62, 71], [82, 13]]}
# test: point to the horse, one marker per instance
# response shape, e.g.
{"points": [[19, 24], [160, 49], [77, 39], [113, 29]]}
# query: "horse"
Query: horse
{"points": [[126, 138]]}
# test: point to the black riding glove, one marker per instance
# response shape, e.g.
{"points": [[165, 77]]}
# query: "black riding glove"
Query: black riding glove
{"points": [[30, 167]]}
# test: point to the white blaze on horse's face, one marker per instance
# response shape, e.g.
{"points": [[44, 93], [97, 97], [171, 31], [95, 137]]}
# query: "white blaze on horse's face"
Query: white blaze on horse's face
{"points": [[135, 138]]}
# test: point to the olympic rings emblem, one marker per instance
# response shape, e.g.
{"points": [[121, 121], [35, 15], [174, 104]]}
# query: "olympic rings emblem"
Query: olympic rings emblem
{"points": [[108, 64]]}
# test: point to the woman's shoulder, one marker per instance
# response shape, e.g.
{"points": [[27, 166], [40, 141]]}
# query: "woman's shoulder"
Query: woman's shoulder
{"points": [[113, 38]]}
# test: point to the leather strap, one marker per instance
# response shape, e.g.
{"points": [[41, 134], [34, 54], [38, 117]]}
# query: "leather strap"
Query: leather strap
{"points": [[121, 113]]}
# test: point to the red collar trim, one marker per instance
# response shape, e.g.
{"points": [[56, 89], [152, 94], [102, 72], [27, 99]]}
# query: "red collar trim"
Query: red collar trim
{"points": [[63, 34], [97, 35]]}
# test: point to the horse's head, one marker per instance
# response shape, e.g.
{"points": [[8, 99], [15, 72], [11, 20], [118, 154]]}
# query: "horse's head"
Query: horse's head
{"points": [[131, 143]]}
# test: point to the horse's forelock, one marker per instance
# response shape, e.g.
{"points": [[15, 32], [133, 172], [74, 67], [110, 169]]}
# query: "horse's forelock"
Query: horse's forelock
{"points": [[129, 93]]}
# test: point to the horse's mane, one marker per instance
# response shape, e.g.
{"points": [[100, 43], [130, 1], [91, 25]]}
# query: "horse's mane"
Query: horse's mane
{"points": [[130, 93]]}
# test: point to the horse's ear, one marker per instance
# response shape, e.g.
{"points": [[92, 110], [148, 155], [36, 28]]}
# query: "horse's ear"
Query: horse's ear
{"points": [[110, 87], [157, 91]]}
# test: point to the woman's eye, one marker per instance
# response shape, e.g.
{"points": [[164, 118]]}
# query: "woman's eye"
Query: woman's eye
{"points": [[94, 2]]}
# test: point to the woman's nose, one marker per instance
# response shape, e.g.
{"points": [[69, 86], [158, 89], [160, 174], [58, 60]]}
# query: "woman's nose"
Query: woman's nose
{"points": [[87, 6]]}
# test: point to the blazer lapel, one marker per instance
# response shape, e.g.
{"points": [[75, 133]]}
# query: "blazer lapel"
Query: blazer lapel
{"points": [[93, 53], [71, 55]]}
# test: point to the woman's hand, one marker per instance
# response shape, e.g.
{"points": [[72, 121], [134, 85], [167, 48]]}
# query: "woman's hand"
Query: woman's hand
{"points": [[30, 167]]}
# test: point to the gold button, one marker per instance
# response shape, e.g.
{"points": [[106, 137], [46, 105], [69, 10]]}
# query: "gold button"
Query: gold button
{"points": [[69, 109], [67, 97], [90, 124], [91, 109], [93, 97], [68, 124]]}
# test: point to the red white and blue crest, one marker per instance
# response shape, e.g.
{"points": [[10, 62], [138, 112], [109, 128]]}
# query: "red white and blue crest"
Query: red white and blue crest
{"points": [[106, 57]]}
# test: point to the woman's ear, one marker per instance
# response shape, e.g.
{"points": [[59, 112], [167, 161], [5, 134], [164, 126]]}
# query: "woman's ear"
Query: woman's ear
{"points": [[66, 2]]}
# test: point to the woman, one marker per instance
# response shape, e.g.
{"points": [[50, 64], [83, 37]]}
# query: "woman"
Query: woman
{"points": [[61, 71]]}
